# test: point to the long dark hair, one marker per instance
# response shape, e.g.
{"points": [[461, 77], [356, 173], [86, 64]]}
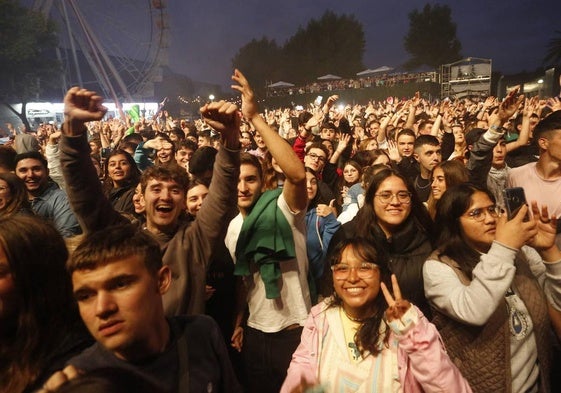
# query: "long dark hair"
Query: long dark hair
{"points": [[46, 310], [367, 337], [19, 201], [134, 176], [455, 173], [366, 221], [449, 240]]}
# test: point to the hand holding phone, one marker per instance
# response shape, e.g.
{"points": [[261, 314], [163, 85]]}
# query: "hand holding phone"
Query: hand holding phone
{"points": [[514, 199]]}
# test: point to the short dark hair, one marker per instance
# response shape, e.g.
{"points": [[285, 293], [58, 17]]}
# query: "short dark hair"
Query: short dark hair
{"points": [[423, 123], [406, 131], [186, 144], [128, 145], [204, 134], [328, 126], [7, 158], [119, 241], [318, 145], [134, 138], [422, 140], [34, 155], [178, 132], [250, 159], [202, 160], [550, 123], [303, 117]]}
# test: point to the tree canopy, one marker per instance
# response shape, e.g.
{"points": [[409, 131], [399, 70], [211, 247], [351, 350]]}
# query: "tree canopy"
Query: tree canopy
{"points": [[332, 44], [27, 61], [259, 60], [431, 39]]}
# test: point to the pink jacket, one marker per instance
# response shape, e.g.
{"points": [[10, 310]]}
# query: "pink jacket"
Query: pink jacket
{"points": [[424, 365]]}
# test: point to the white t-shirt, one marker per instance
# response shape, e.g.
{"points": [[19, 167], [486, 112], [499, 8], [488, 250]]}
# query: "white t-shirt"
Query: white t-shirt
{"points": [[293, 305], [545, 192]]}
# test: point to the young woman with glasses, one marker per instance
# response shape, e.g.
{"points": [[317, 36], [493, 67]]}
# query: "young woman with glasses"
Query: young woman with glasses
{"points": [[364, 339], [492, 294], [398, 225]]}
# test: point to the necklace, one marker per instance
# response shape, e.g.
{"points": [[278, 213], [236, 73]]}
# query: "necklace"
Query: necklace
{"points": [[353, 319], [418, 185]]}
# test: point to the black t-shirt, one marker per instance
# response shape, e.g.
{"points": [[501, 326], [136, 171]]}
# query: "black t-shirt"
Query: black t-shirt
{"points": [[422, 187]]}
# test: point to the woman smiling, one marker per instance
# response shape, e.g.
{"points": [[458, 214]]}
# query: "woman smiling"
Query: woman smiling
{"points": [[396, 222], [364, 339]]}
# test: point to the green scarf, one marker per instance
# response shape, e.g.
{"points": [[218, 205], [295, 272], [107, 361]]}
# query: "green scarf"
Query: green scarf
{"points": [[265, 239]]}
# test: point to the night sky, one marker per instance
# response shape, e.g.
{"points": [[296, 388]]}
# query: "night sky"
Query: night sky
{"points": [[205, 35]]}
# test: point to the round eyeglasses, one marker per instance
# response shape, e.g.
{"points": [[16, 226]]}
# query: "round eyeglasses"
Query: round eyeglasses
{"points": [[479, 214], [314, 156], [401, 196], [365, 270]]}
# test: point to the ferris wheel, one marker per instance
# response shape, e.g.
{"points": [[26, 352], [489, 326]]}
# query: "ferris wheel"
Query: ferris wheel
{"points": [[124, 44]]}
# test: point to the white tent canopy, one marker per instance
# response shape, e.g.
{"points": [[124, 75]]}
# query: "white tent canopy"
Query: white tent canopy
{"points": [[281, 84], [328, 77], [370, 71]]}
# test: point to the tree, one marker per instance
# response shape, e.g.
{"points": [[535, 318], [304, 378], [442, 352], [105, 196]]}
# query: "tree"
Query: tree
{"points": [[431, 39], [259, 61], [333, 44], [553, 55], [27, 61]]}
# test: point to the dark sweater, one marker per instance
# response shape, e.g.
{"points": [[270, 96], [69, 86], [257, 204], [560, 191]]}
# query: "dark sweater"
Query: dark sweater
{"points": [[208, 365]]}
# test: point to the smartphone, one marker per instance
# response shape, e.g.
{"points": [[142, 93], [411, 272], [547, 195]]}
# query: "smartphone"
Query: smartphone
{"points": [[318, 100], [514, 199]]}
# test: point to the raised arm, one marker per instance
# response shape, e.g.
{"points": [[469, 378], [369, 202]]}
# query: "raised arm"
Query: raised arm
{"points": [[415, 101], [80, 107], [84, 191], [524, 136], [294, 189]]}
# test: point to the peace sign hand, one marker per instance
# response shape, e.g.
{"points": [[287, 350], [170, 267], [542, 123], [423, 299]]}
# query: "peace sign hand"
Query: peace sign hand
{"points": [[398, 306]]}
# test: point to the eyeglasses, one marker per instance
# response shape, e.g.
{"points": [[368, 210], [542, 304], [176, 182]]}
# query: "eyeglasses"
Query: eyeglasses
{"points": [[365, 270], [479, 214], [4, 189], [401, 196], [314, 156]]}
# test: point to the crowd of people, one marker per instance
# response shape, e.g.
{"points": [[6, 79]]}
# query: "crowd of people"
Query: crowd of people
{"points": [[334, 82], [370, 248]]}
